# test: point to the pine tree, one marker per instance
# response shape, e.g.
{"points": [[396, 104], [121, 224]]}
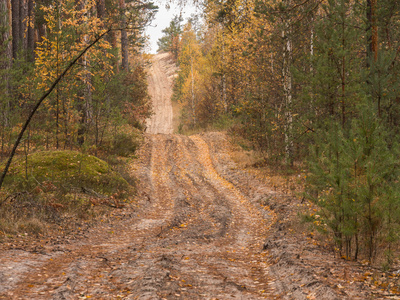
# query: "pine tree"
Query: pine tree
{"points": [[171, 38], [353, 180]]}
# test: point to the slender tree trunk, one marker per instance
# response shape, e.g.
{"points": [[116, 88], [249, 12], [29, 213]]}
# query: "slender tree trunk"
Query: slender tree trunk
{"points": [[101, 9], [372, 42], [22, 22], [88, 110], [85, 107], [124, 38], [372, 32], [312, 45], [5, 65], [5, 41], [58, 72], [66, 122], [114, 44], [81, 105], [287, 90], [272, 63], [192, 88], [88, 88], [312, 100], [30, 32], [343, 76], [224, 97], [15, 4]]}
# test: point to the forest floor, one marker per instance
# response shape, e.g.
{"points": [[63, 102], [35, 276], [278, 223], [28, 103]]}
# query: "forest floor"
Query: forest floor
{"points": [[203, 226]]}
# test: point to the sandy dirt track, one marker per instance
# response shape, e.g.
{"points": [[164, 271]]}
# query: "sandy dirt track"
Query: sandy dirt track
{"points": [[160, 89], [194, 236]]}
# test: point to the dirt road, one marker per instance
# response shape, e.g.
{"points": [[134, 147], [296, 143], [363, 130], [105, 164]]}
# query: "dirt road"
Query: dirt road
{"points": [[194, 236], [160, 88]]}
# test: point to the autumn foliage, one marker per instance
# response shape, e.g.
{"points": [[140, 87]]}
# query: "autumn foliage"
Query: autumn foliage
{"points": [[98, 107]]}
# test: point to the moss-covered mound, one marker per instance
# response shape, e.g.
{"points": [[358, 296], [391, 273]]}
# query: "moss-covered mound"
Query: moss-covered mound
{"points": [[66, 170], [62, 187]]}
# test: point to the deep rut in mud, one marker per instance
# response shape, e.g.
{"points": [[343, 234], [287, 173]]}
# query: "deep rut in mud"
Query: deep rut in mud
{"points": [[194, 236]]}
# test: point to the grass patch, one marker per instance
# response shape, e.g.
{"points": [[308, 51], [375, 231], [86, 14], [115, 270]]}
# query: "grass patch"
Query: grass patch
{"points": [[221, 123], [224, 122], [66, 170], [123, 141]]}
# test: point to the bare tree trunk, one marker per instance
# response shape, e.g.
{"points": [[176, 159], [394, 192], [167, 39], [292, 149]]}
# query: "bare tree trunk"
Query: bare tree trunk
{"points": [[85, 108], [312, 62], [5, 65], [372, 31], [30, 32], [343, 77], [372, 40], [101, 9], [287, 89], [224, 98], [124, 38], [15, 27], [192, 87], [82, 93], [88, 109], [88, 88], [5, 42], [22, 22]]}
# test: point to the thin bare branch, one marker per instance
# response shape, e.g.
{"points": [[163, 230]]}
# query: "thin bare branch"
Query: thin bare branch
{"points": [[40, 101]]}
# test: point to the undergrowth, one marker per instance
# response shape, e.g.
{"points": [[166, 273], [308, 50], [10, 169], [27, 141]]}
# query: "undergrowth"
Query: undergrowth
{"points": [[49, 187], [220, 123]]}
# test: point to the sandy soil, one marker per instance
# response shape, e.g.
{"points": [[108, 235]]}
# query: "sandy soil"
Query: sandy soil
{"points": [[160, 80], [194, 235]]}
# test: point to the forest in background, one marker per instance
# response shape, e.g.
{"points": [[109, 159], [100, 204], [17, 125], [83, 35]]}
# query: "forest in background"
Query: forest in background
{"points": [[311, 84], [98, 108]]}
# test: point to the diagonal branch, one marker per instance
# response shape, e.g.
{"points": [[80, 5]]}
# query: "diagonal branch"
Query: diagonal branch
{"points": [[45, 95]]}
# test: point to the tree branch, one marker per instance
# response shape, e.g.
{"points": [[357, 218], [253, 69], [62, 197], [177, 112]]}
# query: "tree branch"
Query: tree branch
{"points": [[45, 95]]}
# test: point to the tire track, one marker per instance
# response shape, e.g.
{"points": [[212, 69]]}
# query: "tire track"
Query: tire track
{"points": [[160, 90]]}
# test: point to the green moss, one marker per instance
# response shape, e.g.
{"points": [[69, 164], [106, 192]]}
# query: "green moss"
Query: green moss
{"points": [[66, 170]]}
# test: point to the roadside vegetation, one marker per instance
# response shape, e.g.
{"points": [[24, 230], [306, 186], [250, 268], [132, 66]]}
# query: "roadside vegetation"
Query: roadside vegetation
{"points": [[74, 154]]}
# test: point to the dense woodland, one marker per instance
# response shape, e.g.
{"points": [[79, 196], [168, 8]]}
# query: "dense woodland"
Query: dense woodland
{"points": [[311, 84], [105, 88], [77, 68]]}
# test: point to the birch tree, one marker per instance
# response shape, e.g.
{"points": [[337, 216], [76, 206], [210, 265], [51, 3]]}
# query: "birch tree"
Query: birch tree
{"points": [[287, 87]]}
